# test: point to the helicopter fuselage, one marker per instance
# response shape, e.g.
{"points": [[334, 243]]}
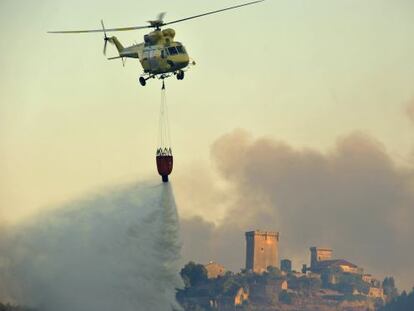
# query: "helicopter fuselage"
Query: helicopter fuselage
{"points": [[158, 54]]}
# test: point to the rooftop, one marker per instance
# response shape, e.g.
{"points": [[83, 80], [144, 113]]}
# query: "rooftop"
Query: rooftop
{"points": [[321, 248], [336, 262]]}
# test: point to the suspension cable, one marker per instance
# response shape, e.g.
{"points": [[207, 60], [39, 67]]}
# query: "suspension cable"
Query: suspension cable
{"points": [[164, 138]]}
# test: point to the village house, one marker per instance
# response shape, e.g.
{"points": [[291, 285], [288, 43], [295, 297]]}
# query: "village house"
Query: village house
{"points": [[214, 270]]}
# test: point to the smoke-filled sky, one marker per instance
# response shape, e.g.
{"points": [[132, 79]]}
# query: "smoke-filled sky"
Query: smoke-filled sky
{"points": [[354, 198], [322, 90]]}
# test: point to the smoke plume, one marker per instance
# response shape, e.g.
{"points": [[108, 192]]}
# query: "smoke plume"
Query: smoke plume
{"points": [[353, 198], [410, 110], [117, 251]]}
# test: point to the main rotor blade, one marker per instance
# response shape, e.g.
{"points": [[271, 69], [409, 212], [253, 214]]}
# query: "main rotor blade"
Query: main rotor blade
{"points": [[158, 25], [101, 30], [213, 12]]}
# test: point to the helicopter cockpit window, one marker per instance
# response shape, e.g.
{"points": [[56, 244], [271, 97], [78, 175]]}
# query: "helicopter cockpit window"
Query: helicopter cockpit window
{"points": [[180, 49], [172, 50]]}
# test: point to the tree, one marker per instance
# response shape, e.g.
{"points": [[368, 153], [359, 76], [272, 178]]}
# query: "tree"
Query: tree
{"points": [[8, 307], [404, 302], [193, 274], [308, 285], [285, 298], [274, 272], [389, 288], [349, 282], [230, 285]]}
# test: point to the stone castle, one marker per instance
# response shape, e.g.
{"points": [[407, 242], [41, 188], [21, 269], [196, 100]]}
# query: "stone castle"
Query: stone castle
{"points": [[328, 283], [262, 252]]}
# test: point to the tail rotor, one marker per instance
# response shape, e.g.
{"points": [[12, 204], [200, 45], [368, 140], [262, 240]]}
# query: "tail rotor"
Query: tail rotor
{"points": [[106, 39]]}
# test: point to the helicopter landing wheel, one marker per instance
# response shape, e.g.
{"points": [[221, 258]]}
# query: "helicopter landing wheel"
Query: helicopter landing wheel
{"points": [[180, 75], [142, 81]]}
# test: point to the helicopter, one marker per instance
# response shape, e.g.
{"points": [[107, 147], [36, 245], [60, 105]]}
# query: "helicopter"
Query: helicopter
{"points": [[160, 55]]}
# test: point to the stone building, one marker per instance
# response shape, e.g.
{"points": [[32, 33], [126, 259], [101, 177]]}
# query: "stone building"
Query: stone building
{"points": [[214, 270], [319, 254], [368, 278], [337, 265], [321, 260], [376, 292], [262, 250]]}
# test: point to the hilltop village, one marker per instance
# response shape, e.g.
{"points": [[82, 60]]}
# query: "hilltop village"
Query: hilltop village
{"points": [[267, 284]]}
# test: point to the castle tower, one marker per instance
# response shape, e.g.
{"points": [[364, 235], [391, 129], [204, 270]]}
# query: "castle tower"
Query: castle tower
{"points": [[262, 250], [319, 254]]}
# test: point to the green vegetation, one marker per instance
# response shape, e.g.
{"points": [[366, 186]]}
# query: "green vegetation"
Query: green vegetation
{"points": [[285, 297], [274, 272], [389, 287], [348, 283], [203, 293], [309, 285], [404, 302], [304, 285], [267, 290], [8, 307], [228, 285], [193, 274]]}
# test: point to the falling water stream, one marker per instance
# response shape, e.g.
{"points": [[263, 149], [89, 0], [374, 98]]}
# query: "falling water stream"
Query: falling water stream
{"points": [[115, 251]]}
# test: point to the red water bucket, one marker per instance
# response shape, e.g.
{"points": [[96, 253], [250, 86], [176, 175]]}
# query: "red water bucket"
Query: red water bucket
{"points": [[164, 166]]}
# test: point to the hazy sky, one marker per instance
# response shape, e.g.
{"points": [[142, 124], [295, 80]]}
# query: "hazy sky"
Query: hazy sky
{"points": [[303, 72]]}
